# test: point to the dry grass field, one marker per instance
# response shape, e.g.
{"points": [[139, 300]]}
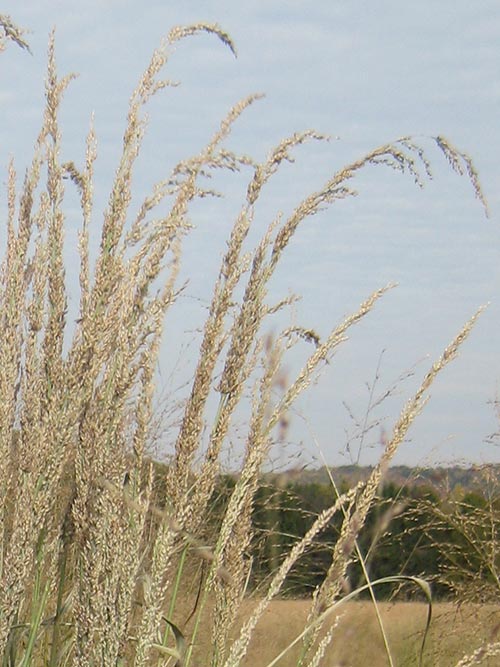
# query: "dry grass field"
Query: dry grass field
{"points": [[455, 631]]}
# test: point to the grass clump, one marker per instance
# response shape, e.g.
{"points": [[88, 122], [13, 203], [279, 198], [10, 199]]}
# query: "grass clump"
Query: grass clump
{"points": [[90, 564]]}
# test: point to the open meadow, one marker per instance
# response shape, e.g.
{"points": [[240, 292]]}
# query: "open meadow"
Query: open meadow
{"points": [[454, 632]]}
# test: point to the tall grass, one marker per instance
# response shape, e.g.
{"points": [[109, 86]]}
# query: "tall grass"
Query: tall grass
{"points": [[95, 563]]}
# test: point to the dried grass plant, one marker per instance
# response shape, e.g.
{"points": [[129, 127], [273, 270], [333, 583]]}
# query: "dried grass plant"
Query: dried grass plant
{"points": [[465, 532], [90, 563]]}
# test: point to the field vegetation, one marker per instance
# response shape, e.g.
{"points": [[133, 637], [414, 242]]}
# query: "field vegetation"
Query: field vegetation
{"points": [[108, 558], [357, 642]]}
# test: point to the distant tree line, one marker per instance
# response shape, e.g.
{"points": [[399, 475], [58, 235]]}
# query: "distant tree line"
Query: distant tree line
{"points": [[448, 534], [410, 530]]}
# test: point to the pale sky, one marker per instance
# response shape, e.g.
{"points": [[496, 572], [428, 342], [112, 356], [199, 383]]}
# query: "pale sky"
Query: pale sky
{"points": [[365, 73]]}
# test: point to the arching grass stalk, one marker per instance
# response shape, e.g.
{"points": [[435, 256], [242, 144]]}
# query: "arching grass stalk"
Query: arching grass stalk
{"points": [[320, 620], [175, 592], [364, 569], [331, 588]]}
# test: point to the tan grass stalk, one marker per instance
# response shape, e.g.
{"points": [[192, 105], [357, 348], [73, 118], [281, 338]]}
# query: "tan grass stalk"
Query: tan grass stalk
{"points": [[233, 265], [462, 164], [402, 155], [239, 647], [85, 186], [148, 259], [323, 644], [393, 511], [236, 532], [243, 334], [246, 325], [332, 586], [117, 304], [480, 655], [333, 609], [33, 364], [321, 354], [465, 535], [236, 526], [12, 32]]}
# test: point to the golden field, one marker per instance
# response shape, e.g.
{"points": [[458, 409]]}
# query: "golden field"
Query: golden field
{"points": [[454, 632]]}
